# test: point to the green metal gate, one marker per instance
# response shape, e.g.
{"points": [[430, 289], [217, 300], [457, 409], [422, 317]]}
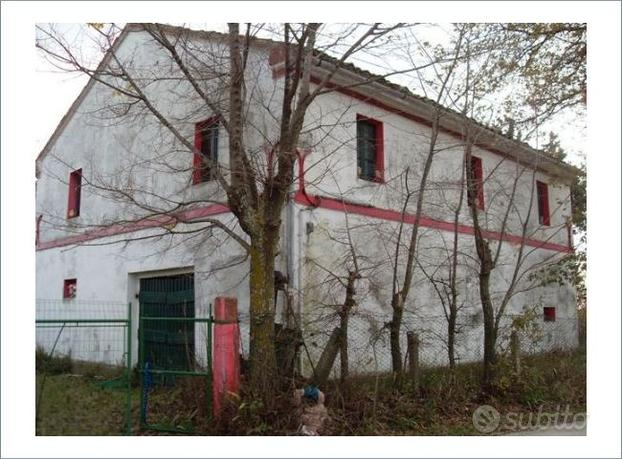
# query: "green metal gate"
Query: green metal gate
{"points": [[172, 338], [167, 344]]}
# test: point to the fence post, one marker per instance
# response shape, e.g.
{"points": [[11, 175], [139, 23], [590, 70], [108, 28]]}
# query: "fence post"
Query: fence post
{"points": [[141, 370], [128, 408], [413, 358], [226, 363], [208, 349], [515, 351]]}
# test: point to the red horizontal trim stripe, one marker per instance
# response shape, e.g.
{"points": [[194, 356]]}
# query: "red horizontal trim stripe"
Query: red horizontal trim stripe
{"points": [[154, 222], [300, 198], [392, 215]]}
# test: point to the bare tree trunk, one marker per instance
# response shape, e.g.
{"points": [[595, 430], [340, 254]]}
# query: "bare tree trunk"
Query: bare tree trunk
{"points": [[490, 335], [397, 306], [515, 352], [325, 364], [344, 316], [486, 265], [413, 359], [451, 338], [343, 349], [262, 348], [452, 317]]}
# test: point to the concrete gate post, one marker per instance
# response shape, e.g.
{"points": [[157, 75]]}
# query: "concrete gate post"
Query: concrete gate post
{"points": [[226, 364]]}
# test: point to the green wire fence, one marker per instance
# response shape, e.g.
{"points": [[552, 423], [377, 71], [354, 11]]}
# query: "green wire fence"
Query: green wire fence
{"points": [[83, 367]]}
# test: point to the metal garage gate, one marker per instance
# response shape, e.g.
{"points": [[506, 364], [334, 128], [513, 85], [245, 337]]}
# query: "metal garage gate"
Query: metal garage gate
{"points": [[175, 384]]}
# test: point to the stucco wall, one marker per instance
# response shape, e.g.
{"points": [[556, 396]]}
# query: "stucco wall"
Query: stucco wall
{"points": [[331, 170], [143, 159], [323, 260], [108, 279]]}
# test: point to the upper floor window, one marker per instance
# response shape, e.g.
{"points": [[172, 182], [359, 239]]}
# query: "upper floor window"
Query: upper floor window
{"points": [[75, 186], [369, 149], [38, 230], [477, 192], [544, 216], [206, 156]]}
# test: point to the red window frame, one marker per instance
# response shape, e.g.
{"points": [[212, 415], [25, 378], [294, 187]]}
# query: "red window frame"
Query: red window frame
{"points": [[75, 190], [548, 313], [477, 170], [544, 215], [70, 288], [379, 137], [199, 173], [38, 230]]}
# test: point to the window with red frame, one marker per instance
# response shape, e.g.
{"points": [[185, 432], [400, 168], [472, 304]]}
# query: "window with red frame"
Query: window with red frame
{"points": [[38, 230], [476, 194], [549, 314], [369, 149], [70, 288], [544, 217], [206, 154], [75, 187]]}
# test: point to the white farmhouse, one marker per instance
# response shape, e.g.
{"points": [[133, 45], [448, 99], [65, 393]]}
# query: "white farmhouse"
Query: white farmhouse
{"points": [[121, 205]]}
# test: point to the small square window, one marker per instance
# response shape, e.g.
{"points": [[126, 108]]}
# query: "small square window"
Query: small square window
{"points": [[549, 314], [70, 287]]}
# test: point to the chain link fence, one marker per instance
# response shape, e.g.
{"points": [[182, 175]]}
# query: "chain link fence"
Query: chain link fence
{"points": [[85, 355], [369, 349]]}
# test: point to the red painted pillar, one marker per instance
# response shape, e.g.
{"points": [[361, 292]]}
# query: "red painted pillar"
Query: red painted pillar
{"points": [[226, 364]]}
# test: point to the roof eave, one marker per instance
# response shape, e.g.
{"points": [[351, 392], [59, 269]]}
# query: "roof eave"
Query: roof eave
{"points": [[76, 103], [450, 120]]}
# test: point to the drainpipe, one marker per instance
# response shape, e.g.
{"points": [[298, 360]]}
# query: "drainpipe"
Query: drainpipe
{"points": [[292, 245], [291, 249], [298, 236]]}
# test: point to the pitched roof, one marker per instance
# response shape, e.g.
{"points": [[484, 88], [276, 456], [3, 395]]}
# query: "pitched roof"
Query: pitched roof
{"points": [[348, 74]]}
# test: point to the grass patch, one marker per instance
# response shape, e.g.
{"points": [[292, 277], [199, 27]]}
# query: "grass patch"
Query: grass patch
{"points": [[444, 404], [446, 400], [77, 405], [79, 398]]}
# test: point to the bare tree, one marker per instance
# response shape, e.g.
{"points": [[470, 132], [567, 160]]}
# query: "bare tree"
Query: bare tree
{"points": [[218, 79], [446, 274], [401, 284], [519, 187]]}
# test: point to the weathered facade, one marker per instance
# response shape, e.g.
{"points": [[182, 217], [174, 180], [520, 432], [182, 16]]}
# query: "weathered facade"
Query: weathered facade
{"points": [[135, 175]]}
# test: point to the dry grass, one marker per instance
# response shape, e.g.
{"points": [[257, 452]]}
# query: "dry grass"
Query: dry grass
{"points": [[364, 406]]}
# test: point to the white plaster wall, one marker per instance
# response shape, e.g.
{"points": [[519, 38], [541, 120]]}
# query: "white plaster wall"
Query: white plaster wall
{"points": [[369, 348], [108, 279], [134, 153], [116, 154], [331, 170]]}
